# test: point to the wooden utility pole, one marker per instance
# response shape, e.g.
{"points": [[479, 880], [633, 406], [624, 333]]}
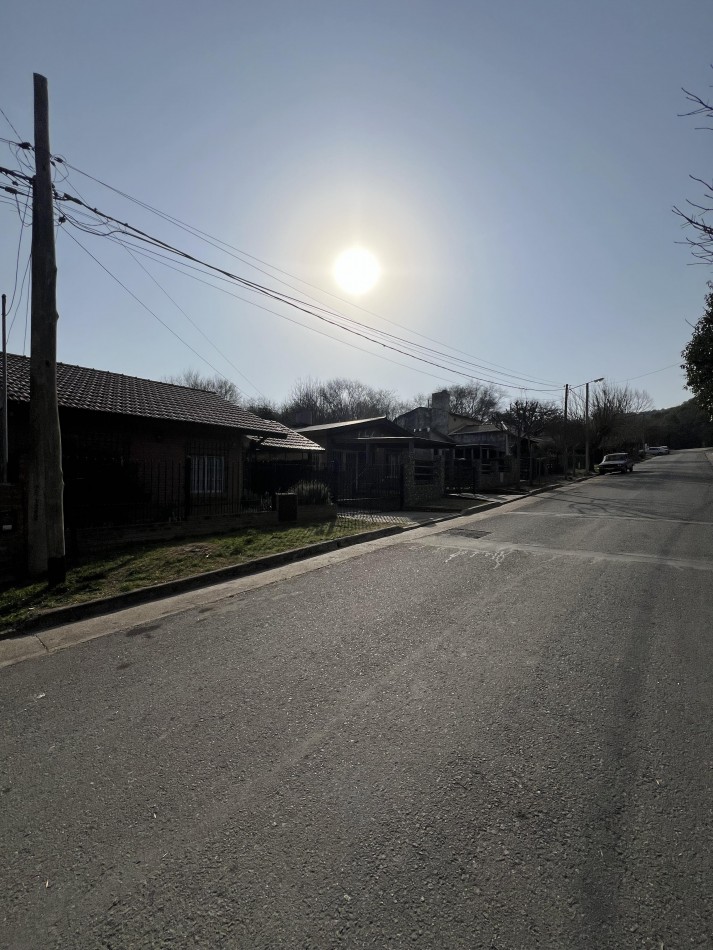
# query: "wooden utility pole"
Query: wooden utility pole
{"points": [[586, 428], [586, 421], [566, 448], [45, 516], [3, 470]]}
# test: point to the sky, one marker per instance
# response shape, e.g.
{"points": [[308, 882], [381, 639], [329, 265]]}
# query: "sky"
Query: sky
{"points": [[512, 165]]}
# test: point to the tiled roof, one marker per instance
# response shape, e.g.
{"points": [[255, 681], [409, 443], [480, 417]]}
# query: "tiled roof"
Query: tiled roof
{"points": [[433, 435], [293, 440], [81, 388], [349, 424], [474, 428]]}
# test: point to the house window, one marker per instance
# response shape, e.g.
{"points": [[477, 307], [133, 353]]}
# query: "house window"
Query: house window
{"points": [[207, 474]]}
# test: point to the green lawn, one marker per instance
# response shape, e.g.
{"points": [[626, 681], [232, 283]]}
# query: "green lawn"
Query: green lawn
{"points": [[147, 564]]}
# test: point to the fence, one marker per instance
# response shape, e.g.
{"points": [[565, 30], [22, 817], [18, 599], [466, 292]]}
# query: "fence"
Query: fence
{"points": [[104, 492], [366, 487], [465, 476], [264, 478]]}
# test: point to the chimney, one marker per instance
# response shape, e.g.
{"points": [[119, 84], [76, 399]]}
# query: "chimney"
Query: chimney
{"points": [[440, 408], [302, 418]]}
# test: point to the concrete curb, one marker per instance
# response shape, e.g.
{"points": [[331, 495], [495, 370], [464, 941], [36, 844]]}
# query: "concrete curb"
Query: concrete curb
{"points": [[143, 595]]}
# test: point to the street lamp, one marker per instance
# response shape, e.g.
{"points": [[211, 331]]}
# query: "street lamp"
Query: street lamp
{"points": [[586, 421]]}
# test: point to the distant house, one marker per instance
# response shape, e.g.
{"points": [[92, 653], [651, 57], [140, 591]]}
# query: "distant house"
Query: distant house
{"points": [[475, 439], [278, 463], [482, 452], [284, 445], [376, 461], [141, 451]]}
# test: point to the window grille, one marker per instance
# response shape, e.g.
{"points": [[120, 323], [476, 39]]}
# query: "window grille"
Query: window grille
{"points": [[207, 475]]}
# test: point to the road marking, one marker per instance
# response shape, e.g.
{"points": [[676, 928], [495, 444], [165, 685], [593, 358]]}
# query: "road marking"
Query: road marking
{"points": [[606, 517], [505, 547]]}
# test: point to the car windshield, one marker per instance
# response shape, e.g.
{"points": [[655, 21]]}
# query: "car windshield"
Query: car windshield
{"points": [[617, 457]]}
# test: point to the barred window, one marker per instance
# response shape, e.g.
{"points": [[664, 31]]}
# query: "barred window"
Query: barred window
{"points": [[207, 475]]}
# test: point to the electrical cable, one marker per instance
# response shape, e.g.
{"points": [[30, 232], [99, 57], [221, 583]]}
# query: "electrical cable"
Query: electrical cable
{"points": [[150, 311], [137, 234], [22, 215], [4, 115], [297, 323], [651, 373], [236, 252], [195, 325], [19, 299], [141, 235]]}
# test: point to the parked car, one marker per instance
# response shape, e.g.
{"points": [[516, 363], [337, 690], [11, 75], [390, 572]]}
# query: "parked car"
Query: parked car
{"points": [[616, 462], [658, 450]]}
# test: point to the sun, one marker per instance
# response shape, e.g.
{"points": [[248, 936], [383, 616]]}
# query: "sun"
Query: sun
{"points": [[356, 270]]}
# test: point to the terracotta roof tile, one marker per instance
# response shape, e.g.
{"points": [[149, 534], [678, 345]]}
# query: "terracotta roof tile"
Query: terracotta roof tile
{"points": [[293, 440], [79, 387]]}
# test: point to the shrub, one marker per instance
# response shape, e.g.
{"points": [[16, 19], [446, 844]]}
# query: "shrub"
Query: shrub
{"points": [[311, 493]]}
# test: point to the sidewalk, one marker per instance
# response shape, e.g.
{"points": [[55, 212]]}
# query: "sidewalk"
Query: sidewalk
{"points": [[381, 525]]}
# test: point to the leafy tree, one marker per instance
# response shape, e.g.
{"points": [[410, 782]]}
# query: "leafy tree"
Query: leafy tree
{"points": [[698, 357], [687, 426]]}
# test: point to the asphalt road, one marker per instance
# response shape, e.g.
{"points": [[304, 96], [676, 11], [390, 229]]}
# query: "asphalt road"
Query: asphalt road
{"points": [[495, 732]]}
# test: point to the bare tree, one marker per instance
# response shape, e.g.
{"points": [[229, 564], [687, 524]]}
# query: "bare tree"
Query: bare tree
{"points": [[614, 416], [697, 218], [339, 400], [474, 399], [214, 384], [530, 418]]}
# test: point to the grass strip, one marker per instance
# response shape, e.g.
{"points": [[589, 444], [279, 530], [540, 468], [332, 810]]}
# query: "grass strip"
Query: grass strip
{"points": [[147, 564]]}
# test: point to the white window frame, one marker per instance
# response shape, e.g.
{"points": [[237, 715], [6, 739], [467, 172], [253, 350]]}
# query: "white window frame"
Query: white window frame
{"points": [[207, 475]]}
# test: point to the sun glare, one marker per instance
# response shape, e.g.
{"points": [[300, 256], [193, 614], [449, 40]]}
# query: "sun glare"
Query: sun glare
{"points": [[356, 270]]}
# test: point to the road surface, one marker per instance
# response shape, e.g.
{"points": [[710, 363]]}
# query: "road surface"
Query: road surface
{"points": [[494, 732]]}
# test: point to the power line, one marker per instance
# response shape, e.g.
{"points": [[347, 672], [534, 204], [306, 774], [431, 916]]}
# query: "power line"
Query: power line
{"points": [[2, 111], [651, 373], [149, 310], [194, 324], [372, 335], [22, 289], [239, 254], [22, 216], [304, 326], [138, 234]]}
